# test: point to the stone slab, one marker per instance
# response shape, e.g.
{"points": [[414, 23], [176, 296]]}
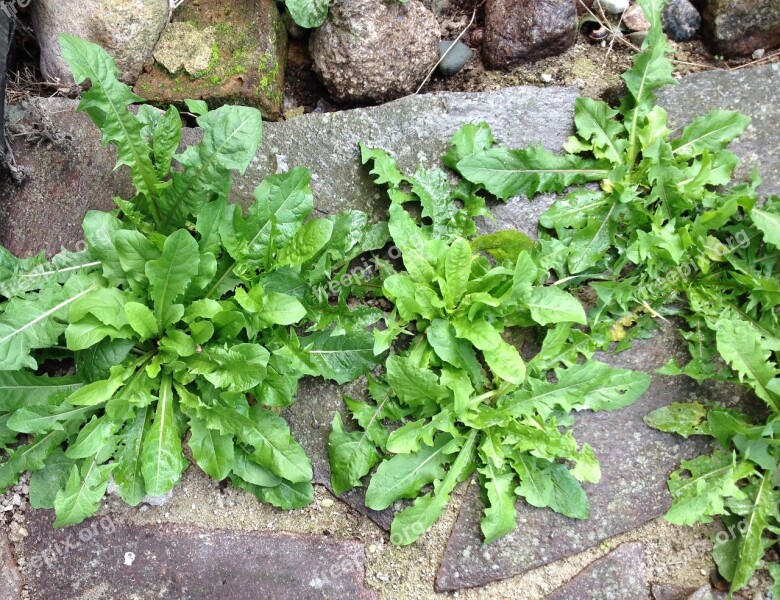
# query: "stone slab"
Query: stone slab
{"points": [[310, 421], [668, 591], [635, 463], [66, 173], [617, 576], [751, 91], [10, 582], [101, 558]]}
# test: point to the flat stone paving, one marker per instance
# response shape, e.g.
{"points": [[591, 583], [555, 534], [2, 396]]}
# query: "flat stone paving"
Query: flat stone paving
{"points": [[102, 559], [10, 581], [67, 178], [617, 576]]}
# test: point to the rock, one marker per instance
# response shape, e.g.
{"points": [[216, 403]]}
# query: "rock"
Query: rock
{"points": [[6, 32], [223, 53], [447, 7], [583, 6], [184, 46], [455, 59], [751, 91], [375, 51], [613, 7], [127, 29], [518, 30], [637, 37], [10, 581], [110, 559], [681, 20], [617, 576], [667, 591], [738, 27], [634, 19], [64, 178], [295, 31]]}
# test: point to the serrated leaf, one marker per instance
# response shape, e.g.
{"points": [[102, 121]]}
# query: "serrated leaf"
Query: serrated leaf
{"points": [[500, 514], [171, 274], [683, 418], [404, 475], [231, 135], [352, 455], [507, 173], [82, 494], [409, 524], [711, 132], [106, 103], [595, 121], [212, 450], [769, 224], [21, 388], [45, 484]]}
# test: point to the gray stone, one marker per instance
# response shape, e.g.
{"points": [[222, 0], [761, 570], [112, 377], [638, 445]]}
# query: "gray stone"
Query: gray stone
{"points": [[455, 59], [369, 51], [127, 29], [415, 130], [107, 559], [750, 91], [738, 27], [681, 20], [617, 576], [520, 30], [310, 421], [10, 581], [635, 463], [667, 591], [612, 7]]}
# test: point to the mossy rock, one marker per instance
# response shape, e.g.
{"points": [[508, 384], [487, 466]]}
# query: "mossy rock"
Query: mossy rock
{"points": [[223, 53]]}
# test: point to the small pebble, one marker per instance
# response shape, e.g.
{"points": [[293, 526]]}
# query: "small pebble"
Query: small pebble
{"points": [[634, 19], [758, 53], [326, 503], [681, 20], [637, 37], [613, 7], [456, 58], [546, 78]]}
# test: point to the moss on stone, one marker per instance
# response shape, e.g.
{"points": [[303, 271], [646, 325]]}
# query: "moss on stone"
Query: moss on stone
{"points": [[246, 66]]}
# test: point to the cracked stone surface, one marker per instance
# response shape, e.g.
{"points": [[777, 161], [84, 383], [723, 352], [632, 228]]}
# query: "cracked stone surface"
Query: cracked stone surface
{"points": [[617, 576], [100, 558]]}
